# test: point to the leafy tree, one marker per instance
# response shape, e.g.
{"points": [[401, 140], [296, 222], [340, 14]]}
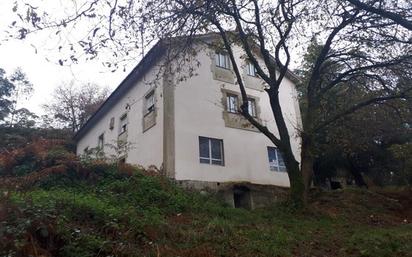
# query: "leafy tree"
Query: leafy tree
{"points": [[361, 46], [357, 142], [24, 118], [362, 142], [12, 90], [402, 155], [72, 105], [23, 89], [6, 89]]}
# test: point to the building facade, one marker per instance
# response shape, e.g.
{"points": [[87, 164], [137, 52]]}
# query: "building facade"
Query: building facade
{"points": [[192, 128]]}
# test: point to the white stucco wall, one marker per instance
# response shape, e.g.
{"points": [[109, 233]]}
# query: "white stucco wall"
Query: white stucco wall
{"points": [[146, 147], [198, 112]]}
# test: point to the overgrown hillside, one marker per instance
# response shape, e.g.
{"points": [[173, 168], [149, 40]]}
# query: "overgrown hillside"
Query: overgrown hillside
{"points": [[53, 204]]}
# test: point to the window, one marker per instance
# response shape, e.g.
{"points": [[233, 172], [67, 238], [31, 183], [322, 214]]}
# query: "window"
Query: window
{"points": [[251, 106], [222, 60], [251, 70], [232, 103], [211, 151], [100, 141], [123, 124], [150, 102], [276, 162], [111, 124]]}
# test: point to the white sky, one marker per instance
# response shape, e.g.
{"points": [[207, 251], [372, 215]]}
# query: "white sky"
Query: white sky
{"points": [[42, 68], [46, 75]]}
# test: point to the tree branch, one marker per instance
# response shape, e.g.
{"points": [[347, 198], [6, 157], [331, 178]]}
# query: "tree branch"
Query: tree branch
{"points": [[399, 19], [359, 106], [244, 106]]}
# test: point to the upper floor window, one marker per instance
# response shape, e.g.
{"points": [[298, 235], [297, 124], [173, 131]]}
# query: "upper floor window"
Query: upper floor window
{"points": [[222, 60], [211, 151], [123, 124], [276, 162], [232, 103], [251, 105], [150, 102], [251, 69], [100, 141], [111, 123]]}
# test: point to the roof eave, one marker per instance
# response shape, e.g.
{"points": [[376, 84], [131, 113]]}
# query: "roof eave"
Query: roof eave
{"points": [[141, 68]]}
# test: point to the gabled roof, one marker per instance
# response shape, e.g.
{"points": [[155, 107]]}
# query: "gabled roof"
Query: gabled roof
{"points": [[137, 73]]}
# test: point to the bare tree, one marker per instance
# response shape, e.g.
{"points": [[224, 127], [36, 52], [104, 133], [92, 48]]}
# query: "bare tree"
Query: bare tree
{"points": [[360, 45], [72, 105]]}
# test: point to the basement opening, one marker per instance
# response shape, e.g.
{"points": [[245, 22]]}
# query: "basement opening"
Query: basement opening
{"points": [[241, 197]]}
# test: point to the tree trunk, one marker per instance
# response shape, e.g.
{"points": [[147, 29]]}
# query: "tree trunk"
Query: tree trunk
{"points": [[297, 187], [307, 160]]}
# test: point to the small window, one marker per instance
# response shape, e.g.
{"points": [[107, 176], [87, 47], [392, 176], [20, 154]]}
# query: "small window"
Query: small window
{"points": [[232, 103], [150, 102], [100, 141], [251, 107], [111, 124], [251, 69], [222, 60], [123, 124], [276, 162], [211, 151]]}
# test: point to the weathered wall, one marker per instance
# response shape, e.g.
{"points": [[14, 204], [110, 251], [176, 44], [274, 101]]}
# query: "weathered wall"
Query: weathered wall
{"points": [[146, 146], [259, 195], [195, 107], [199, 112]]}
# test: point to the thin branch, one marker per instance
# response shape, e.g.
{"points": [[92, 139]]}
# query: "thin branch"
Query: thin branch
{"points": [[359, 106], [397, 18]]}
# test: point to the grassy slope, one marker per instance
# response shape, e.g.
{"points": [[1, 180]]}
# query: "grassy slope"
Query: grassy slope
{"points": [[143, 215]]}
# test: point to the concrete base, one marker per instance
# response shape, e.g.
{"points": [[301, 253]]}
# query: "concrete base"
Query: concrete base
{"points": [[240, 194]]}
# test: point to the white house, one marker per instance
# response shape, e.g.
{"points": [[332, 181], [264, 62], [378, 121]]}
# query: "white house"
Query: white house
{"points": [[191, 129]]}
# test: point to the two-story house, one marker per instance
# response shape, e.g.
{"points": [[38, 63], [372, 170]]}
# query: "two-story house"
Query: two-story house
{"points": [[192, 129]]}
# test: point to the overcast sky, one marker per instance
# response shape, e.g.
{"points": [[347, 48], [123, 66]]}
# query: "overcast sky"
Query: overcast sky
{"points": [[38, 55], [44, 74]]}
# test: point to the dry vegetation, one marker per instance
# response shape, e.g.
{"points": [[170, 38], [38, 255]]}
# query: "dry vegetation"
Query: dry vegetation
{"points": [[53, 204]]}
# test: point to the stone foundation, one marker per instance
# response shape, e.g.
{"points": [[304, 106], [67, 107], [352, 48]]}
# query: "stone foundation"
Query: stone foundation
{"points": [[240, 194]]}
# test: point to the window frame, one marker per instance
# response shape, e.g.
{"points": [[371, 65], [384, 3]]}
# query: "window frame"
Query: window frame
{"points": [[148, 109], [229, 104], [275, 166], [100, 141], [218, 60], [249, 71], [210, 160], [251, 106], [111, 123], [226, 94], [123, 126]]}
